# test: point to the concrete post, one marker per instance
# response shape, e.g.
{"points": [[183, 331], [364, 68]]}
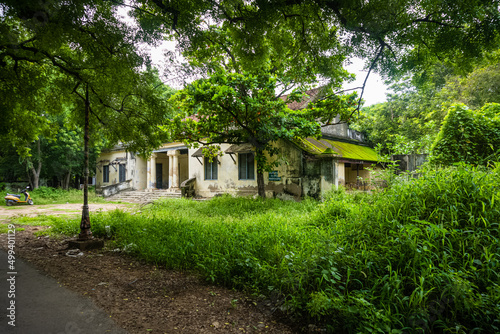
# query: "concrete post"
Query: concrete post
{"points": [[151, 172], [175, 170], [170, 170], [148, 175]]}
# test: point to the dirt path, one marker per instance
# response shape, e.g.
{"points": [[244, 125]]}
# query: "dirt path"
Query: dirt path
{"points": [[141, 297]]}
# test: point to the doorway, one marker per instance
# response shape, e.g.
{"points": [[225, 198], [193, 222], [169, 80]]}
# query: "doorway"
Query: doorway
{"points": [[159, 178]]}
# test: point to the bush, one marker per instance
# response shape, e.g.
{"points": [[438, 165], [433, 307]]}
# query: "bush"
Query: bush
{"points": [[471, 136]]}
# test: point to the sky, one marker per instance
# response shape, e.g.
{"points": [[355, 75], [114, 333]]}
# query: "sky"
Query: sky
{"points": [[375, 89]]}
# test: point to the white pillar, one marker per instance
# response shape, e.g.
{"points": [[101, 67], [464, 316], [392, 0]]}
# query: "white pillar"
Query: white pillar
{"points": [[175, 170], [148, 175], [151, 173], [170, 170]]}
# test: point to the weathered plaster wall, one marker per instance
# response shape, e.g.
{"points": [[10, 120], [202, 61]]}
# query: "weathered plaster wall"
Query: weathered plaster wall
{"points": [[289, 171], [320, 175], [335, 130], [227, 181], [351, 174], [139, 177], [113, 174], [134, 169]]}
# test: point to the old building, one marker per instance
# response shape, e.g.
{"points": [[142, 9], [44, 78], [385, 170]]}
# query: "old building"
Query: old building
{"points": [[308, 167]]}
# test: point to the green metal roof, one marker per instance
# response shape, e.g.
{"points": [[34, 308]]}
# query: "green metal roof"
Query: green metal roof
{"points": [[338, 149]]}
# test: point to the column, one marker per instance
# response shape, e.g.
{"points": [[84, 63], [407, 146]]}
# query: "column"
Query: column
{"points": [[170, 170], [148, 175], [175, 170], [151, 172]]}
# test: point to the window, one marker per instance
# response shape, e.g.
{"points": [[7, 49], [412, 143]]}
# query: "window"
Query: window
{"points": [[246, 166], [211, 169], [105, 174], [121, 176]]}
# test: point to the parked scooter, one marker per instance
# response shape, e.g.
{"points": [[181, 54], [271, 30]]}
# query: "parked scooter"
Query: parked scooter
{"points": [[12, 199]]}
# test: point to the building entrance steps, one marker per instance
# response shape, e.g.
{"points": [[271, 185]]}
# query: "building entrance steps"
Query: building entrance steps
{"points": [[144, 196]]}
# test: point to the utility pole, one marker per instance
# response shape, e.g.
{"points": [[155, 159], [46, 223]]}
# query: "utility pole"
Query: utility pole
{"points": [[85, 232]]}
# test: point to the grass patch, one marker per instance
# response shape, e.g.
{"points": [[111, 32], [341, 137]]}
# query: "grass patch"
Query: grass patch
{"points": [[4, 228], [47, 195], [40, 220], [422, 256]]}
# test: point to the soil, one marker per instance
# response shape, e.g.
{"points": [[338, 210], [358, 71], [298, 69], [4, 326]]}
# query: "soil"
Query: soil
{"points": [[141, 297]]}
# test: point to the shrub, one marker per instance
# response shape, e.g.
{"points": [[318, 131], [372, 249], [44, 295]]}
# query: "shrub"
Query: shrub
{"points": [[468, 136]]}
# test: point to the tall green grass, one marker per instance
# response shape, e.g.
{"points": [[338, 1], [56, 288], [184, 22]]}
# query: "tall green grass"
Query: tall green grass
{"points": [[421, 257]]}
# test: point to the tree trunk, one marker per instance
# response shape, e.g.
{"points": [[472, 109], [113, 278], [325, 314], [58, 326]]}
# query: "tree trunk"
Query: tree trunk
{"points": [[30, 179], [35, 172], [66, 180], [85, 232], [260, 184], [261, 190]]}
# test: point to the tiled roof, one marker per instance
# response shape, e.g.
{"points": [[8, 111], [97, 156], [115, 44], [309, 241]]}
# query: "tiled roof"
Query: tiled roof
{"points": [[313, 94], [243, 148]]}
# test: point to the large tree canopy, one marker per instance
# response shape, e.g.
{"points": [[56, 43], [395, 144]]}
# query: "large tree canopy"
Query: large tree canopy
{"points": [[412, 117], [85, 58], [50, 53], [395, 35]]}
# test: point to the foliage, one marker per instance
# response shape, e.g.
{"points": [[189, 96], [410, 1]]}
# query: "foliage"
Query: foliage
{"points": [[52, 53], [422, 256], [481, 86], [242, 108], [468, 136], [411, 119], [61, 155], [398, 37]]}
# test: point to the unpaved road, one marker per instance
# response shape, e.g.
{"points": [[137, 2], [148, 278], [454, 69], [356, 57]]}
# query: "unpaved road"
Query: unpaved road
{"points": [[55, 209]]}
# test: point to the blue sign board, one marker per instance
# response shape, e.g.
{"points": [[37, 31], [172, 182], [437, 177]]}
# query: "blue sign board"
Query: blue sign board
{"points": [[273, 176]]}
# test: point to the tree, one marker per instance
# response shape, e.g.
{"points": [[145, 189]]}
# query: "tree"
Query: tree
{"points": [[482, 86], [238, 108], [468, 136], [396, 36], [240, 100], [80, 50]]}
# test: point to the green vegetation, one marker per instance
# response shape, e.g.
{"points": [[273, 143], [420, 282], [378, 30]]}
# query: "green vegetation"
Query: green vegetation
{"points": [[470, 136], [422, 256], [412, 118], [48, 195]]}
